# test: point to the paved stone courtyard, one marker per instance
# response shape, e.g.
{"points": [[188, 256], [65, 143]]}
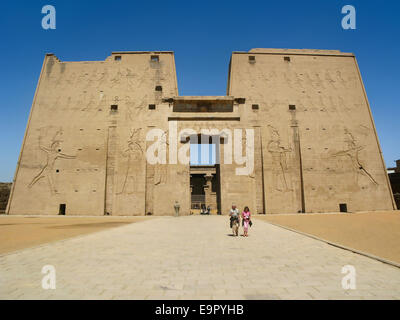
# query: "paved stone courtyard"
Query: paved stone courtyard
{"points": [[193, 257]]}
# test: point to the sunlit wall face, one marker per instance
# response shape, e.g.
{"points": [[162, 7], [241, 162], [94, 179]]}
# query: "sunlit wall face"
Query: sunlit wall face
{"points": [[202, 154]]}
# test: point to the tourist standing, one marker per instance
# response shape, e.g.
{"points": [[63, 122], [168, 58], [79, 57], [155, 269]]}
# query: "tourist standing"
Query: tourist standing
{"points": [[246, 216], [234, 219]]}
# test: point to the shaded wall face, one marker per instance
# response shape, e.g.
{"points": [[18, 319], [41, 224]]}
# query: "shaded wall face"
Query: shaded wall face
{"points": [[81, 151], [321, 151], [4, 195]]}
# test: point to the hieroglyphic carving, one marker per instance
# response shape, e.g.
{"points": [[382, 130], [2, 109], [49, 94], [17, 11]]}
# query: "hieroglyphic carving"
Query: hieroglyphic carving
{"points": [[329, 79], [319, 82], [88, 104], [130, 78], [102, 77], [352, 80], [270, 77], [353, 152], [70, 79], [133, 153], [81, 98], [52, 154], [82, 78], [92, 79], [134, 108], [340, 78], [103, 102], [279, 161], [116, 79], [322, 105], [116, 100], [288, 80], [310, 80], [299, 80]]}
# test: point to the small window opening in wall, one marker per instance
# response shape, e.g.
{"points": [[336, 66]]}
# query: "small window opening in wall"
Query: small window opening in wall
{"points": [[252, 59], [155, 58], [255, 106], [286, 59], [152, 107], [292, 107], [158, 88], [57, 171], [240, 100], [114, 107], [343, 207], [117, 58], [62, 209]]}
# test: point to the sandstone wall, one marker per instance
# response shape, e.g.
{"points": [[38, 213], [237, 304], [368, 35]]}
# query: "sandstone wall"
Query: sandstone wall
{"points": [[80, 152], [320, 146]]}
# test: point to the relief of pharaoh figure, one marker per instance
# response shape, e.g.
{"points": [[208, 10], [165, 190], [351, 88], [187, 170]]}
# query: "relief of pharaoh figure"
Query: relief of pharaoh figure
{"points": [[352, 151], [52, 154]]}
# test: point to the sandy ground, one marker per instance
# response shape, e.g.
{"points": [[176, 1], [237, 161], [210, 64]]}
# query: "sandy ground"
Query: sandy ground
{"points": [[376, 233], [19, 232]]}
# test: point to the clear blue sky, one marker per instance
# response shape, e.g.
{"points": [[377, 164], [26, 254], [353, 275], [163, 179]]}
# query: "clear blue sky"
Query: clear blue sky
{"points": [[202, 154], [203, 34]]}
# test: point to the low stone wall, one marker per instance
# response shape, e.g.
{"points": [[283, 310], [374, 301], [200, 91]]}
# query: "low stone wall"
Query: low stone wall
{"points": [[4, 194]]}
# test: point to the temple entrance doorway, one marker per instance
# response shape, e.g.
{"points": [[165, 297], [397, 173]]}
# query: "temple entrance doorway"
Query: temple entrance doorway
{"points": [[205, 181]]}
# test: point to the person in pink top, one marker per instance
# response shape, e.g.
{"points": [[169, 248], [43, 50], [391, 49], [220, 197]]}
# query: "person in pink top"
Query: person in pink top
{"points": [[246, 216]]}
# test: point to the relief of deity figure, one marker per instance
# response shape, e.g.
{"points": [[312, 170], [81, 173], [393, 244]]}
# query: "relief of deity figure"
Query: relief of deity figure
{"points": [[161, 170], [280, 167], [133, 153]]}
